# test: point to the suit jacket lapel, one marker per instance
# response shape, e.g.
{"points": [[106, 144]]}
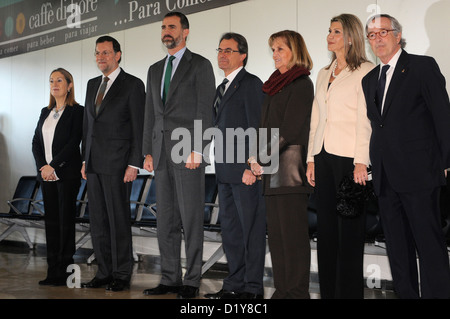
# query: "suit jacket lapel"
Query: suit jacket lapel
{"points": [[344, 74], [64, 116], [156, 76], [396, 81], [372, 87], [93, 95], [232, 88], [183, 67], [113, 90]]}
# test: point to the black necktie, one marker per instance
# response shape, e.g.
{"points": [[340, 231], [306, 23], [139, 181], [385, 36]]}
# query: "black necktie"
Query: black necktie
{"points": [[101, 93], [167, 78], [219, 94], [381, 86]]}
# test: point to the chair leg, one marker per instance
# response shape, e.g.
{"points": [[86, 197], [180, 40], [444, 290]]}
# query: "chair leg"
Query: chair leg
{"points": [[135, 256], [83, 239], [219, 253], [21, 230], [91, 259]]}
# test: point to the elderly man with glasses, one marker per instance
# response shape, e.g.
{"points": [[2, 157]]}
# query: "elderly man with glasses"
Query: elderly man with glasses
{"points": [[409, 109]]}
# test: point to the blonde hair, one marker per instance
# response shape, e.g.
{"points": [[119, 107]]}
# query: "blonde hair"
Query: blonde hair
{"points": [[70, 98], [354, 41], [295, 42]]}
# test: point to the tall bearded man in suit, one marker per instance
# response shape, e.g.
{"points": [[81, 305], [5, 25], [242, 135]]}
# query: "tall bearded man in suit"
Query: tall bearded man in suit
{"points": [[242, 211], [112, 151], [180, 92], [409, 109]]}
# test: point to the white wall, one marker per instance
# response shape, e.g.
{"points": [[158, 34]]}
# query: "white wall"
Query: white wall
{"points": [[24, 88]]}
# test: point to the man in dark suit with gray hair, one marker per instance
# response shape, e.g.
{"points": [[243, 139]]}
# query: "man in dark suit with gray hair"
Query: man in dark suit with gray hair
{"points": [[409, 110], [180, 91]]}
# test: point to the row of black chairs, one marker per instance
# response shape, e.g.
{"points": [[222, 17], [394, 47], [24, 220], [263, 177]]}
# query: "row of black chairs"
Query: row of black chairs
{"points": [[26, 210]]}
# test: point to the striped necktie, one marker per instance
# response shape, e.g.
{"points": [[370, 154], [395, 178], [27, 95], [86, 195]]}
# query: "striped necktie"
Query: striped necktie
{"points": [[219, 94], [101, 93]]}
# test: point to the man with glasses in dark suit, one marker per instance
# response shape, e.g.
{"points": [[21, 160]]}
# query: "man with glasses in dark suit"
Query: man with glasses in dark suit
{"points": [[242, 210], [409, 108]]}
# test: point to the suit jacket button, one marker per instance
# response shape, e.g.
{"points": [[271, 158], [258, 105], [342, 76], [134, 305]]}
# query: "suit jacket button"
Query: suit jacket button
{"points": [[381, 125]]}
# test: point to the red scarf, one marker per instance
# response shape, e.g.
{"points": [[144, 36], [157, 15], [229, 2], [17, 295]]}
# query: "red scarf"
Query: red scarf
{"points": [[278, 80]]}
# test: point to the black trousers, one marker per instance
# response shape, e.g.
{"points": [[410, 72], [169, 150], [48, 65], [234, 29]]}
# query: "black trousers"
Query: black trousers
{"points": [[413, 231], [110, 220], [340, 241], [288, 236], [60, 210], [243, 223]]}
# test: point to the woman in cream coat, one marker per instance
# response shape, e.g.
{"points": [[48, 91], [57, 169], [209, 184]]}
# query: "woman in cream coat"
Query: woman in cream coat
{"points": [[338, 145]]}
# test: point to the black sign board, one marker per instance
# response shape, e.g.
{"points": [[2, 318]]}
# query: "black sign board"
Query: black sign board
{"points": [[30, 25]]}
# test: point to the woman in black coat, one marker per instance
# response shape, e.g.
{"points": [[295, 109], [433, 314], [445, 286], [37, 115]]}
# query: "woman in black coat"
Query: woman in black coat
{"points": [[56, 149], [286, 116]]}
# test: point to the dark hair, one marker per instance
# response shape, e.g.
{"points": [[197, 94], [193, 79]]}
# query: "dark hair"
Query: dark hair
{"points": [[115, 43], [183, 19], [241, 41], [70, 98]]}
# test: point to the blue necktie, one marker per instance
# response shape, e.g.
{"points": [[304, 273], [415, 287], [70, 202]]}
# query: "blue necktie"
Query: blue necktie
{"points": [[380, 88], [167, 78]]}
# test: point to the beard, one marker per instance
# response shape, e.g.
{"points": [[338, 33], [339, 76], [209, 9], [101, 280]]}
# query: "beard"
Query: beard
{"points": [[170, 42]]}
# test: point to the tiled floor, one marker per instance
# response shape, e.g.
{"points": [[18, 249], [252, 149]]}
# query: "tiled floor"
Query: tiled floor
{"points": [[22, 268]]}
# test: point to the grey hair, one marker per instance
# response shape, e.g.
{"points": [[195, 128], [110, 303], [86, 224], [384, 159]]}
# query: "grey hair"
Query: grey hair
{"points": [[395, 26]]}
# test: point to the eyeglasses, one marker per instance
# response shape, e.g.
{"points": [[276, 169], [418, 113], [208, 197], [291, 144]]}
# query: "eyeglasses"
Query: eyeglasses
{"points": [[225, 51], [104, 53], [383, 33]]}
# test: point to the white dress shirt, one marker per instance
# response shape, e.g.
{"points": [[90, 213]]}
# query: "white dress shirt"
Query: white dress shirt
{"points": [[392, 63], [112, 77], [231, 77], [178, 55], [48, 133]]}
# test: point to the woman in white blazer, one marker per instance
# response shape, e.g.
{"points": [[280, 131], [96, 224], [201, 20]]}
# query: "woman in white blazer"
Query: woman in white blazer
{"points": [[338, 145]]}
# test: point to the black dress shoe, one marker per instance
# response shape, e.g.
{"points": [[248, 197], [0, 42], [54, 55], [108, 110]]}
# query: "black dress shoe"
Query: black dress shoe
{"points": [[96, 283], [162, 290], [249, 295], [47, 282], [62, 281], [53, 281], [118, 285], [187, 292], [223, 294]]}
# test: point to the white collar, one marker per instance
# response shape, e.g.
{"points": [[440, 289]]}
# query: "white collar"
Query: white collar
{"points": [[233, 75], [393, 61]]}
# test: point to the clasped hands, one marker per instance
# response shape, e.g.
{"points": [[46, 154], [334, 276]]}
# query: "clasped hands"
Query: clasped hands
{"points": [[253, 174], [48, 173]]}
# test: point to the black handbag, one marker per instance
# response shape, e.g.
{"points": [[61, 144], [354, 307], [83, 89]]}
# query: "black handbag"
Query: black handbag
{"points": [[351, 197]]}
